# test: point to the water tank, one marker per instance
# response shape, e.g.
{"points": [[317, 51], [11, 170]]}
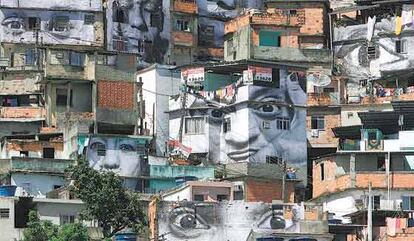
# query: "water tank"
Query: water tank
{"points": [[7, 191], [127, 236]]}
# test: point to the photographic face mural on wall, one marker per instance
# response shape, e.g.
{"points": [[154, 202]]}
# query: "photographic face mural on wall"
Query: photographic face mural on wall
{"points": [[364, 59], [222, 221], [270, 127], [122, 155], [53, 27], [137, 26]]}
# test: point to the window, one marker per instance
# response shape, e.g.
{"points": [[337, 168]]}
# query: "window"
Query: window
{"points": [[30, 57], [381, 163], [48, 152], [328, 90], [66, 218], [222, 197], [227, 125], [322, 171], [198, 198], [60, 24], [407, 202], [283, 123], [24, 153], [292, 12], [377, 201], [33, 23], [269, 38], [4, 213], [206, 35], [119, 14], [100, 149], [141, 46], [62, 97], [182, 25], [156, 20], [194, 125], [372, 52], [401, 46], [318, 122], [89, 19], [56, 187], [119, 44], [274, 160], [76, 59]]}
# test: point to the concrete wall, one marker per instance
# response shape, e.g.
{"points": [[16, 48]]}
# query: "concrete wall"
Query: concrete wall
{"points": [[8, 232], [36, 185], [51, 211]]}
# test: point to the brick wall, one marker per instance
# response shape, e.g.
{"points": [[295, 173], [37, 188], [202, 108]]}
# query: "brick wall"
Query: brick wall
{"points": [[266, 191], [185, 6], [331, 183], [183, 38], [236, 24], [277, 17], [22, 112], [116, 95], [313, 23], [33, 146], [326, 136]]}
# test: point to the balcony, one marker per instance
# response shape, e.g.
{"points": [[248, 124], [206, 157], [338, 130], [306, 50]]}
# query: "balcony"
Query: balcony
{"points": [[22, 112], [317, 99], [183, 38], [279, 17], [185, 6], [39, 165], [181, 171], [362, 179], [285, 54]]}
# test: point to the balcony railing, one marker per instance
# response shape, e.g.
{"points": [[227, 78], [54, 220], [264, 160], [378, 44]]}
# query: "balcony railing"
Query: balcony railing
{"points": [[321, 56], [185, 6], [323, 99], [22, 112], [42, 165]]}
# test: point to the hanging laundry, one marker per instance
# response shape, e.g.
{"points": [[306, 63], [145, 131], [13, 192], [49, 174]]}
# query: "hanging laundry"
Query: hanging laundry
{"points": [[391, 226], [402, 223], [371, 27], [410, 222], [407, 14], [398, 25]]}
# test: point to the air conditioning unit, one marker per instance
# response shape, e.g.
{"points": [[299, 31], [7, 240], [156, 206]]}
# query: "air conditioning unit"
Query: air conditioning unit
{"points": [[315, 133]]}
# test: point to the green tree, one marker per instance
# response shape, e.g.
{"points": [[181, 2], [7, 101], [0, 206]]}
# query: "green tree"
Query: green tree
{"points": [[47, 231], [106, 200]]}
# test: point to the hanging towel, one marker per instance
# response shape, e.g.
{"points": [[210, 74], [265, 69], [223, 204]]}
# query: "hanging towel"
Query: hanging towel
{"points": [[407, 14], [371, 27], [403, 223], [391, 225], [398, 25]]}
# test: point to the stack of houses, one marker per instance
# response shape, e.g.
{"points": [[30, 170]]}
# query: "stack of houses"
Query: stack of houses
{"points": [[243, 120]]}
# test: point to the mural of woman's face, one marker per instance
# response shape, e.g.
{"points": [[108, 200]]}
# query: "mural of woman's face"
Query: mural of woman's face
{"points": [[115, 154], [269, 124]]}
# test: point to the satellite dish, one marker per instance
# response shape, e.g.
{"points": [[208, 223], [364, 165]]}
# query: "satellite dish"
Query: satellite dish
{"points": [[318, 80]]}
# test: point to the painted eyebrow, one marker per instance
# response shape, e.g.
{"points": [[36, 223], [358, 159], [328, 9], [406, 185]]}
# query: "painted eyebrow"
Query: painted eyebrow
{"points": [[97, 139], [265, 92]]}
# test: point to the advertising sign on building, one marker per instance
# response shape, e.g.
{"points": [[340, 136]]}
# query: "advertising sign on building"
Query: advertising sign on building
{"points": [[192, 76], [261, 74], [177, 148]]}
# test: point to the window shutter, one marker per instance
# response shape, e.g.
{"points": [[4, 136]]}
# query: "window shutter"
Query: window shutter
{"points": [[406, 203]]}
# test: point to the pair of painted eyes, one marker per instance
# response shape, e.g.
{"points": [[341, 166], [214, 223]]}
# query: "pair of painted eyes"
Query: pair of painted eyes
{"points": [[122, 147], [263, 108], [14, 23]]}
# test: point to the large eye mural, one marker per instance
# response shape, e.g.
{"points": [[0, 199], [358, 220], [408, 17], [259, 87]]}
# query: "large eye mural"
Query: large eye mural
{"points": [[186, 223], [14, 25]]}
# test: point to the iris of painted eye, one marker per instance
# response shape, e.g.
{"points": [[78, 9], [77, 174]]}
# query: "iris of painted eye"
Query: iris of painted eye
{"points": [[15, 25], [188, 221], [268, 108], [126, 147]]}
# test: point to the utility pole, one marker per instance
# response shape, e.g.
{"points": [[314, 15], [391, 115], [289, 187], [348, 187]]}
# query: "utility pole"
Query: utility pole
{"points": [[283, 180], [369, 213], [183, 105], [141, 107]]}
